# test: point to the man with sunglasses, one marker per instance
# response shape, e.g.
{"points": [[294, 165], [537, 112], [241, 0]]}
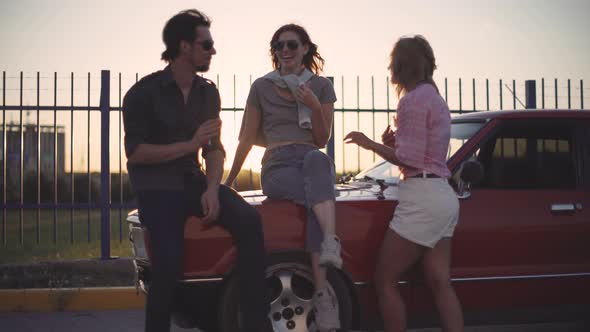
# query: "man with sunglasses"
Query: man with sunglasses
{"points": [[168, 116]]}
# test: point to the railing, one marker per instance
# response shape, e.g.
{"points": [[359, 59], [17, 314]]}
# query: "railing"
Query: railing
{"points": [[66, 184]]}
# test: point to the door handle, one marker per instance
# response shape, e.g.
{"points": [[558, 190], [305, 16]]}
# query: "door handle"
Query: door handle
{"points": [[565, 207]]}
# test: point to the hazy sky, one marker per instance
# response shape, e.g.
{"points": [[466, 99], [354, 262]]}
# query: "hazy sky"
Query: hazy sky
{"points": [[505, 39]]}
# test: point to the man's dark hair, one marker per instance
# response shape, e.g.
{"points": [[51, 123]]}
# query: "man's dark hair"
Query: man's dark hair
{"points": [[182, 27]]}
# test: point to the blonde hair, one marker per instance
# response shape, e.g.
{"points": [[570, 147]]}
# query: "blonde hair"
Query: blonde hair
{"points": [[411, 60]]}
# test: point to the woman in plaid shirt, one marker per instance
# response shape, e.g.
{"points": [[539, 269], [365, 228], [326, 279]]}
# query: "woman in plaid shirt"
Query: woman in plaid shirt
{"points": [[428, 209]]}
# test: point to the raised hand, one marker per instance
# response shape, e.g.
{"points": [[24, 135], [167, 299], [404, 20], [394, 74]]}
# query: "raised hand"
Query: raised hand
{"points": [[388, 137], [359, 139], [305, 95], [206, 132]]}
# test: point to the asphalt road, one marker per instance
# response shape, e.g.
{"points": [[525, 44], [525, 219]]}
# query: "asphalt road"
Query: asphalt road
{"points": [[132, 321]]}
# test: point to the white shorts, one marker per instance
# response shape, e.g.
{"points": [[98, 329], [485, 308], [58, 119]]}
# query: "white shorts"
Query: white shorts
{"points": [[428, 210]]}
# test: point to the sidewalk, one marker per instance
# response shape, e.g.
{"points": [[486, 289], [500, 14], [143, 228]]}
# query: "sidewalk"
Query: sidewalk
{"points": [[70, 299], [132, 321], [99, 296]]}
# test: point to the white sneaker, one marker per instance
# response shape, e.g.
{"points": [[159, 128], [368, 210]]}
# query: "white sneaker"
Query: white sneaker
{"points": [[330, 253], [326, 310]]}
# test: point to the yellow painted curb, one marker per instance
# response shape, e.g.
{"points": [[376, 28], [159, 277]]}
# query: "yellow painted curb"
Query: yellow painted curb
{"points": [[71, 299]]}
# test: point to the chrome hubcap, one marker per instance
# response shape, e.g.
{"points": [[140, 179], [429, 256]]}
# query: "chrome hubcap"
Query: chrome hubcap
{"points": [[291, 290]]}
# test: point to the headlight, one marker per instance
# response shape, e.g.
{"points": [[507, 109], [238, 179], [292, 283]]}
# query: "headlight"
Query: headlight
{"points": [[136, 236]]}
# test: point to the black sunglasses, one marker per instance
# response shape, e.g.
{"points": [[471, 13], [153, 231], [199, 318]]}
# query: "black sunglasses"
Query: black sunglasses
{"points": [[291, 44], [206, 44]]}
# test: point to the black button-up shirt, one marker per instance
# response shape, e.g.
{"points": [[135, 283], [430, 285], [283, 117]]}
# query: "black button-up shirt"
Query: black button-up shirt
{"points": [[154, 112]]}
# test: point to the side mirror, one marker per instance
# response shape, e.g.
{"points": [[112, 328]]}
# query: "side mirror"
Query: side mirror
{"points": [[471, 173], [346, 178], [382, 187]]}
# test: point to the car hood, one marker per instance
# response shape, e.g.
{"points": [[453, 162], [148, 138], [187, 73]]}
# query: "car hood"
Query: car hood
{"points": [[354, 191]]}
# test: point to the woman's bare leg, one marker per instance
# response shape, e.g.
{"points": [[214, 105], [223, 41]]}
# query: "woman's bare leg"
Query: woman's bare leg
{"points": [[396, 256], [437, 266], [319, 272], [325, 212]]}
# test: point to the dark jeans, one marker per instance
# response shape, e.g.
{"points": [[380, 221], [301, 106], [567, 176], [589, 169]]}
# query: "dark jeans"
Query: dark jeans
{"points": [[164, 213]]}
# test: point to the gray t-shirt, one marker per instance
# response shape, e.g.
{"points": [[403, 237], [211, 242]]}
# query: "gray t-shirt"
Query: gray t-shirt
{"points": [[280, 121]]}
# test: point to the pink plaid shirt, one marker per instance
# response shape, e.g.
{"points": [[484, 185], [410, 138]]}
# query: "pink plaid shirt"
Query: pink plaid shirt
{"points": [[423, 132]]}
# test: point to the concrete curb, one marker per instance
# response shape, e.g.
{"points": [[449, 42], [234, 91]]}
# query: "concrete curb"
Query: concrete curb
{"points": [[70, 299]]}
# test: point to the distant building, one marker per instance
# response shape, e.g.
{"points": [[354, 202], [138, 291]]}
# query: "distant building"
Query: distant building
{"points": [[32, 143]]}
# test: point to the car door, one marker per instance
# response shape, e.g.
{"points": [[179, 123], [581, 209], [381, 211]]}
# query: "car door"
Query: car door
{"points": [[523, 233]]}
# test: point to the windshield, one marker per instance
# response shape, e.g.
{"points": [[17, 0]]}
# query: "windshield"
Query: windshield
{"points": [[382, 170], [460, 133]]}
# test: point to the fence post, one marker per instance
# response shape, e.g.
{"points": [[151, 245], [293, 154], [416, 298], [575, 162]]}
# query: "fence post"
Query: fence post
{"points": [[530, 88], [581, 94], [330, 146], [105, 171], [569, 94]]}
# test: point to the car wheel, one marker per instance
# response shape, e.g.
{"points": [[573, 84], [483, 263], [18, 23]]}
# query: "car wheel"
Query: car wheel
{"points": [[289, 282]]}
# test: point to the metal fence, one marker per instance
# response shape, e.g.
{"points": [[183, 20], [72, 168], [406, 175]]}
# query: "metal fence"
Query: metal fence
{"points": [[33, 152]]}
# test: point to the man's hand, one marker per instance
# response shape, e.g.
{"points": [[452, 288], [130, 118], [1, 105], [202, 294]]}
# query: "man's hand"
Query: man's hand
{"points": [[206, 132], [388, 137], [210, 205], [359, 139]]}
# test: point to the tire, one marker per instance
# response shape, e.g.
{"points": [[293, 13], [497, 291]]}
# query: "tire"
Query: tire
{"points": [[290, 286]]}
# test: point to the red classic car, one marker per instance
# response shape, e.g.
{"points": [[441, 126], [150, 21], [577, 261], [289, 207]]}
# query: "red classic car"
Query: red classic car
{"points": [[522, 243]]}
